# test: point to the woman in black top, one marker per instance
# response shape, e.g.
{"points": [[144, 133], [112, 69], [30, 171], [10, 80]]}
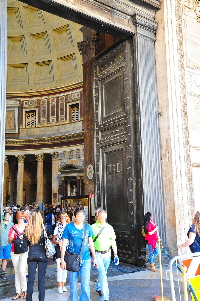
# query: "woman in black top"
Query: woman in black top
{"points": [[36, 255]]}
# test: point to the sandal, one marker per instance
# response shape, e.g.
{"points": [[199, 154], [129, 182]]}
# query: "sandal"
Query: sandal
{"points": [[24, 294], [17, 296]]}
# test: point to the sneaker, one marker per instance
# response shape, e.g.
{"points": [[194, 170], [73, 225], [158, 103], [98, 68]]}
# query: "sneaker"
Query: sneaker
{"points": [[64, 289], [60, 289]]}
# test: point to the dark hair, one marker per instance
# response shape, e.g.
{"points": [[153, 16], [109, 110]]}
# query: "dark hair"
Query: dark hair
{"points": [[77, 210], [147, 218], [5, 212]]}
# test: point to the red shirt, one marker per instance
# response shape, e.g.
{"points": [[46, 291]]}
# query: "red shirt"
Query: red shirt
{"points": [[153, 238]]}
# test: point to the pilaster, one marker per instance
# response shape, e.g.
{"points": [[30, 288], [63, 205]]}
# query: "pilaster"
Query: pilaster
{"points": [[150, 190], [6, 191], [40, 178], [55, 170], [180, 185], [20, 179]]}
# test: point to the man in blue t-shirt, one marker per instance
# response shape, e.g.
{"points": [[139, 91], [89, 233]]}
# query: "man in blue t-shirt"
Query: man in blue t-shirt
{"points": [[73, 236]]}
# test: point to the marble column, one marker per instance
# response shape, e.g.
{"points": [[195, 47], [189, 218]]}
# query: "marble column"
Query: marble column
{"points": [[40, 178], [55, 156], [20, 179]]}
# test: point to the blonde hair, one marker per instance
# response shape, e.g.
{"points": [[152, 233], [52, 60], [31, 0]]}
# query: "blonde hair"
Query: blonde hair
{"points": [[196, 222], [34, 227]]}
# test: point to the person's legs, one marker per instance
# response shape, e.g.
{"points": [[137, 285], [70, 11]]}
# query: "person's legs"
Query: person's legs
{"points": [[23, 270], [15, 261], [103, 261], [150, 253], [42, 266], [31, 277], [85, 280], [59, 276], [64, 278], [155, 254], [73, 282], [6, 255], [152, 256]]}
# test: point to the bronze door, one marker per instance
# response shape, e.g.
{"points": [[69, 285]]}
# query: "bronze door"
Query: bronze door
{"points": [[114, 144]]}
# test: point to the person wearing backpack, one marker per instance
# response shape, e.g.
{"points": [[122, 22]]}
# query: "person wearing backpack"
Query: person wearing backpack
{"points": [[19, 254]]}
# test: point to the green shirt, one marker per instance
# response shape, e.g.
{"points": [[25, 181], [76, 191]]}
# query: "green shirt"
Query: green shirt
{"points": [[104, 241]]}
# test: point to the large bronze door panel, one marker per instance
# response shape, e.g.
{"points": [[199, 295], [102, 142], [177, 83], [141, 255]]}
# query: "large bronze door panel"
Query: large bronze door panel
{"points": [[114, 144]]}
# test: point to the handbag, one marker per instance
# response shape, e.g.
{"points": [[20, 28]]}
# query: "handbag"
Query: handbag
{"points": [[73, 260], [49, 246]]}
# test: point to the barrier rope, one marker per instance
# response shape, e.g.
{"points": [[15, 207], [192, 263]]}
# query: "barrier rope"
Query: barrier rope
{"points": [[191, 290]]}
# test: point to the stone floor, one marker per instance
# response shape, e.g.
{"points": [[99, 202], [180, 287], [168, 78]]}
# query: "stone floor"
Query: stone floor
{"points": [[124, 283]]}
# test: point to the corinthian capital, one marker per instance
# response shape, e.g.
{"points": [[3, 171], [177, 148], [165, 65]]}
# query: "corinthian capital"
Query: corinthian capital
{"points": [[20, 158], [55, 155], [39, 157]]}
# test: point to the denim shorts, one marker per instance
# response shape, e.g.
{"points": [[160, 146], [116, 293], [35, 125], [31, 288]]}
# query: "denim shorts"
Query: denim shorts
{"points": [[5, 252]]}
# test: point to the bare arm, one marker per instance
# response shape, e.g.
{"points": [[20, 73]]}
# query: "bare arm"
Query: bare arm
{"points": [[114, 247], [189, 241], [65, 242], [10, 239]]}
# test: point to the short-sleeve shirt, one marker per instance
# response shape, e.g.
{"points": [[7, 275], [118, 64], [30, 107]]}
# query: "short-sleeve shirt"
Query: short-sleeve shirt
{"points": [[4, 234], [104, 241], [195, 246], [59, 231], [75, 237]]}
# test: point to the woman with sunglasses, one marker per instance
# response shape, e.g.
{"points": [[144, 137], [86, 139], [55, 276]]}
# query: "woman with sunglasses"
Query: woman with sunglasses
{"points": [[19, 260]]}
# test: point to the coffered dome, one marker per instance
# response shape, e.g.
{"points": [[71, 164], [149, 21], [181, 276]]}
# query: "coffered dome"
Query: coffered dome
{"points": [[42, 49]]}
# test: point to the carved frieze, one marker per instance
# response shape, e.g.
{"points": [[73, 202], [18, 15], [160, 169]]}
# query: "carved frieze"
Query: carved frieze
{"points": [[49, 140]]}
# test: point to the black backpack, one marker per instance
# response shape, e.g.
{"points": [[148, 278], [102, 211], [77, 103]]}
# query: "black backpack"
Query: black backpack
{"points": [[20, 245]]}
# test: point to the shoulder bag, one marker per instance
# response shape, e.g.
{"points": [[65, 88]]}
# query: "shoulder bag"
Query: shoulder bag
{"points": [[49, 246], [73, 260], [20, 245], [98, 234]]}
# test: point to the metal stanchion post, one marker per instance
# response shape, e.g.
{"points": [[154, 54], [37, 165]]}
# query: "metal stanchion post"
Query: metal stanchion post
{"points": [[161, 298], [184, 270]]}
